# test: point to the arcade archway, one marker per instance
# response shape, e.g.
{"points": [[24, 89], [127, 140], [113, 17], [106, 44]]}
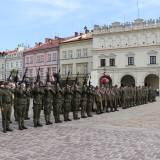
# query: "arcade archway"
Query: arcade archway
{"points": [[152, 80], [127, 80]]}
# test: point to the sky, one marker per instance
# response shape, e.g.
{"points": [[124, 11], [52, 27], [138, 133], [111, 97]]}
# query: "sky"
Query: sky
{"points": [[30, 21]]}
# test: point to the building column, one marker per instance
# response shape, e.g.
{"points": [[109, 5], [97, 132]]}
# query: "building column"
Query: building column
{"points": [[74, 69]]}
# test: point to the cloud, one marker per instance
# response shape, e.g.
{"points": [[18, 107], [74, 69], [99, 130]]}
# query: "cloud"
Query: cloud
{"points": [[48, 10]]}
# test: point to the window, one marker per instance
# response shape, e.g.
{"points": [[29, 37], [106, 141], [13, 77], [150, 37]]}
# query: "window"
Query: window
{"points": [[11, 64], [130, 61], [64, 69], [152, 59], [85, 52], [64, 54], [53, 69], [54, 56], [2, 66], [30, 72], [112, 62], [103, 62], [27, 60], [20, 63], [31, 60], [85, 68], [49, 58], [42, 58], [78, 53], [42, 72], [38, 59], [70, 54], [70, 69], [16, 64]]}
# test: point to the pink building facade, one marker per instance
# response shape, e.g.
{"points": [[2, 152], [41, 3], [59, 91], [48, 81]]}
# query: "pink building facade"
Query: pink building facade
{"points": [[44, 56]]}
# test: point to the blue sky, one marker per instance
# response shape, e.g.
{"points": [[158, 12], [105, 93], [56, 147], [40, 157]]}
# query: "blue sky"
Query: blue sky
{"points": [[30, 21]]}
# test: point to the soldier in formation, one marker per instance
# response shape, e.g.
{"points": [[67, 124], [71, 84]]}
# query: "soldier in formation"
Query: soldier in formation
{"points": [[75, 98]]}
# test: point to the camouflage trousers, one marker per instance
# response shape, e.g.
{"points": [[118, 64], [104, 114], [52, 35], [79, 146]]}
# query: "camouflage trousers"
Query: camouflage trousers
{"points": [[5, 111], [36, 114], [66, 110], [89, 108], [83, 109], [47, 112], [21, 115], [56, 111]]}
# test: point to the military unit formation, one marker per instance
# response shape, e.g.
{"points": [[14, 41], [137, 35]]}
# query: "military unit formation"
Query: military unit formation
{"points": [[52, 97]]}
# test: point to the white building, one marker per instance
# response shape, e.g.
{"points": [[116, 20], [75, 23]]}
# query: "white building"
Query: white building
{"points": [[128, 53], [14, 60], [75, 55]]}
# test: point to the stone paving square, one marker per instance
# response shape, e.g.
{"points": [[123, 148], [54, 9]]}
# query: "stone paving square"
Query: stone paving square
{"points": [[131, 134]]}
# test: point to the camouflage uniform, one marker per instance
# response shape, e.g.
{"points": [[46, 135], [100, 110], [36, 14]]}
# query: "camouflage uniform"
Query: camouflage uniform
{"points": [[48, 103], [21, 106], [76, 98], [58, 102], [90, 100], [28, 103], [83, 101], [67, 102], [98, 100], [37, 94], [6, 104]]}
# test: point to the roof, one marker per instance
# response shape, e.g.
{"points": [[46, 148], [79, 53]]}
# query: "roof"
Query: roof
{"points": [[41, 46], [78, 38], [11, 52]]}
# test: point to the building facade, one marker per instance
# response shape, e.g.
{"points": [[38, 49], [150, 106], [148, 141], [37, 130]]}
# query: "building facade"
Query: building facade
{"points": [[11, 60], [44, 56], [76, 56], [128, 54]]}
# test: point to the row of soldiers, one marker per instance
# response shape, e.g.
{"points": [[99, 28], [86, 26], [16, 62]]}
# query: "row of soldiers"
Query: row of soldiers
{"points": [[62, 100], [109, 99]]}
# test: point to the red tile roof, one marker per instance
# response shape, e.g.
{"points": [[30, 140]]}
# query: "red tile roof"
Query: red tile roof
{"points": [[11, 52], [78, 38], [41, 46]]}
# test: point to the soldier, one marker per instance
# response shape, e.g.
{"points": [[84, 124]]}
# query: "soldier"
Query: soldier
{"points": [[84, 99], [76, 98], [48, 102], [37, 94], [58, 101], [98, 100], [67, 102], [90, 100], [21, 105], [6, 104], [58, 98], [15, 103], [28, 102]]}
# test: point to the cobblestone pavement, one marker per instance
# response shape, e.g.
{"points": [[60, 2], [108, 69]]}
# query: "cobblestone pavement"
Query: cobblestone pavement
{"points": [[131, 134]]}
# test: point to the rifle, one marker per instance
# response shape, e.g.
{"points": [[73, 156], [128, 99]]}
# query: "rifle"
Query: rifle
{"points": [[38, 76], [9, 78], [24, 76], [76, 80], [67, 78], [48, 77]]}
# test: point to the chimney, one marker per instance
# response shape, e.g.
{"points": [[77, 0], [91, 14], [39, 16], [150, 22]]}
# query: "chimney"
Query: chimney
{"points": [[76, 34], [38, 44], [46, 40]]}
